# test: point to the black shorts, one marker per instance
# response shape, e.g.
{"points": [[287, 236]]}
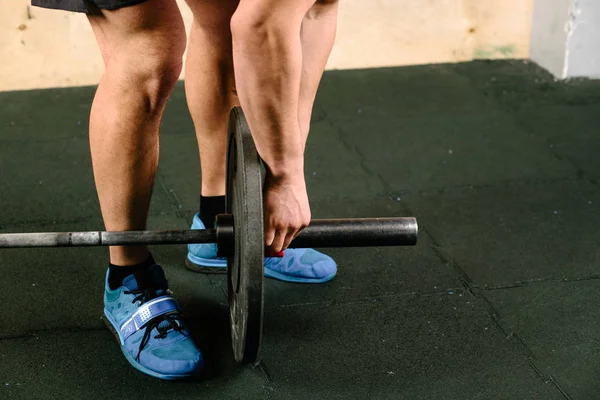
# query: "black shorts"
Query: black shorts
{"points": [[85, 6]]}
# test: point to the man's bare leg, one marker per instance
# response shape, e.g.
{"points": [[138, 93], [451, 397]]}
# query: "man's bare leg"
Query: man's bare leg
{"points": [[210, 87], [142, 47]]}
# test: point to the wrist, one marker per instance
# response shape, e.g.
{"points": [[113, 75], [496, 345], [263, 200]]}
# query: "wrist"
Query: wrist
{"points": [[290, 169]]}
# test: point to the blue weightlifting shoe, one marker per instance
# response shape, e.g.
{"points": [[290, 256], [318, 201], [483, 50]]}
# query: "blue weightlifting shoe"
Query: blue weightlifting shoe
{"points": [[297, 265], [301, 266], [148, 326]]}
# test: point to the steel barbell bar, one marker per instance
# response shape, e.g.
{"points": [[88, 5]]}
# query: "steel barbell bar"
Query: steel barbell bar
{"points": [[351, 232]]}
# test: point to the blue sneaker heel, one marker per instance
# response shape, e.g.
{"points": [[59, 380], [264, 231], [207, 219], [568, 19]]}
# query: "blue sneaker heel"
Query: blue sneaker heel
{"points": [[202, 257]]}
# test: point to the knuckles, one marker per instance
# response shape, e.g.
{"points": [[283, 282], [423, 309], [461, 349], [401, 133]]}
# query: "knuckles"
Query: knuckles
{"points": [[289, 225]]}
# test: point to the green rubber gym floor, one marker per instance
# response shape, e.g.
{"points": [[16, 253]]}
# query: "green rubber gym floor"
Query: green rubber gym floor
{"points": [[499, 300]]}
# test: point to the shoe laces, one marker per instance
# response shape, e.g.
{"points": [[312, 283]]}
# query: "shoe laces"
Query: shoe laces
{"points": [[163, 323]]}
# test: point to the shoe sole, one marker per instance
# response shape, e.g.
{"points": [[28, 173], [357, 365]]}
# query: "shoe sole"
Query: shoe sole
{"points": [[192, 266], [204, 269], [141, 368], [284, 278]]}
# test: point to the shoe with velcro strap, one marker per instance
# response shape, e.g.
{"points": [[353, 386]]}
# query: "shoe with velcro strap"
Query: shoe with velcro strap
{"points": [[148, 325]]}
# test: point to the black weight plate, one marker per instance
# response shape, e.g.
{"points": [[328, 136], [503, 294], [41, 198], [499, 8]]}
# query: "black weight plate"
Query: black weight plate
{"points": [[245, 266]]}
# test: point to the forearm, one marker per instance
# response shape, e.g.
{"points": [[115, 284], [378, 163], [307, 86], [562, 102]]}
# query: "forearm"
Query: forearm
{"points": [[268, 68]]}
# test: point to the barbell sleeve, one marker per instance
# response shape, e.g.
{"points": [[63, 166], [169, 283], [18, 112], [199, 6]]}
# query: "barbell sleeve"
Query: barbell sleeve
{"points": [[359, 232]]}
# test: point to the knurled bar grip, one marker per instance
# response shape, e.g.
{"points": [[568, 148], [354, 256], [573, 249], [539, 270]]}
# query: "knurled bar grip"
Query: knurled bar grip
{"points": [[359, 232], [82, 239]]}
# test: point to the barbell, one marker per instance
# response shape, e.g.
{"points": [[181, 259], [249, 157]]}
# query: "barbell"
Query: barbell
{"points": [[239, 236]]}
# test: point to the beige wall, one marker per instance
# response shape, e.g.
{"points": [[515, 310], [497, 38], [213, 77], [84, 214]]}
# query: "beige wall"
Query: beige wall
{"points": [[46, 48]]}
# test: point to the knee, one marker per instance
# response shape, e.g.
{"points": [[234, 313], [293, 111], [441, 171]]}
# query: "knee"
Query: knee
{"points": [[259, 19], [159, 73], [150, 67], [244, 24]]}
